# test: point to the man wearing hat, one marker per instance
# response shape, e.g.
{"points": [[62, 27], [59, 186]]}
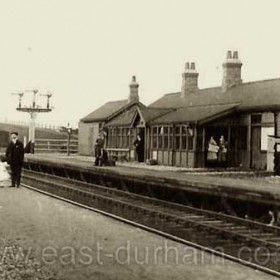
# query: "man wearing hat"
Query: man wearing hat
{"points": [[14, 156]]}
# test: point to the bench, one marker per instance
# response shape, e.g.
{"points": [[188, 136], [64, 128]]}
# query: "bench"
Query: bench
{"points": [[119, 153]]}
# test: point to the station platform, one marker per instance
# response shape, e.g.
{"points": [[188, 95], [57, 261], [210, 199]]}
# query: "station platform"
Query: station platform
{"points": [[69, 242], [229, 184]]}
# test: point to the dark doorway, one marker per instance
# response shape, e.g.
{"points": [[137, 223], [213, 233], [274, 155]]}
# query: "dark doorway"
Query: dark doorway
{"points": [[140, 152], [216, 147], [256, 147]]}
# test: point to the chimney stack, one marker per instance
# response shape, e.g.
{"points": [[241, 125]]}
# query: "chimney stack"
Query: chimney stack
{"points": [[231, 71], [133, 94], [190, 80]]}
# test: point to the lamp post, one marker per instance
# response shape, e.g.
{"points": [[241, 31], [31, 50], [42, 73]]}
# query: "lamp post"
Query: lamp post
{"points": [[69, 131]]}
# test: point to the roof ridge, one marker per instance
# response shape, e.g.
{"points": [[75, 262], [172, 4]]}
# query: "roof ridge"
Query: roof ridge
{"points": [[209, 105], [113, 101], [216, 87], [259, 81]]}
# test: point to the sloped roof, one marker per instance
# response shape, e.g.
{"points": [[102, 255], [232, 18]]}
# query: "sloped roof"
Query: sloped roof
{"points": [[124, 118], [127, 115], [150, 114], [195, 114], [259, 95], [105, 111], [249, 96]]}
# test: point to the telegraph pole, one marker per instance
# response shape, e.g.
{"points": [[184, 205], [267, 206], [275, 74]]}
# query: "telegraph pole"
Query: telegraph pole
{"points": [[33, 110]]}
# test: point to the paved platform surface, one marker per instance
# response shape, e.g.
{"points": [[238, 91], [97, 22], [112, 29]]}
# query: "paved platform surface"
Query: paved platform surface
{"points": [[265, 190], [75, 243]]}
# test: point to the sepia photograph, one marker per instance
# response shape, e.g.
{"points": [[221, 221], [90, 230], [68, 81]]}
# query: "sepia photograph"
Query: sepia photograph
{"points": [[139, 140]]}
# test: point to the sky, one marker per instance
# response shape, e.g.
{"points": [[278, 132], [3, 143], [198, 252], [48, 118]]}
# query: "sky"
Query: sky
{"points": [[86, 51]]}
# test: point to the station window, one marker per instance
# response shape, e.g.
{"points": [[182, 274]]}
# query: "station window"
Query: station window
{"points": [[177, 137], [154, 137], [112, 137], [160, 138], [165, 137], [184, 137], [119, 137], [190, 143], [170, 137], [190, 132], [124, 138]]}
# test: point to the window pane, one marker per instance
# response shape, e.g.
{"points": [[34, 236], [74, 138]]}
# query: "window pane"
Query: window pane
{"points": [[190, 143], [177, 129], [184, 142], [154, 142], [170, 142], [184, 130], [177, 142], [160, 142], [165, 142]]}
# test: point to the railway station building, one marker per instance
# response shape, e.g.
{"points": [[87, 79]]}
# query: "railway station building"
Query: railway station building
{"points": [[187, 128]]}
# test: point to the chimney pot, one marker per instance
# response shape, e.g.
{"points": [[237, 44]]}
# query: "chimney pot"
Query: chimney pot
{"points": [[231, 71], [235, 55], [190, 80], [229, 55]]}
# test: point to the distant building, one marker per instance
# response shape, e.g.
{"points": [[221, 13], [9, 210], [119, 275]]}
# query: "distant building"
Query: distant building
{"points": [[177, 128]]}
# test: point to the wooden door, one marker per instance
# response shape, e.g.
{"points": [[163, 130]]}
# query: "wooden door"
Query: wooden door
{"points": [[256, 147]]}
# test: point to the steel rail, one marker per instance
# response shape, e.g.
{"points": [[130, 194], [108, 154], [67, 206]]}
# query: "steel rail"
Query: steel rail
{"points": [[131, 205], [160, 233]]}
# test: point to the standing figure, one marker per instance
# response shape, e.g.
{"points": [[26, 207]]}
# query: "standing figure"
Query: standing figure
{"points": [[14, 156], [4, 175], [139, 146], [222, 153], [212, 150], [99, 143]]}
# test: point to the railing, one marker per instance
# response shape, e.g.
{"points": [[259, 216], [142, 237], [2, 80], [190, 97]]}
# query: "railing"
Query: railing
{"points": [[56, 146]]}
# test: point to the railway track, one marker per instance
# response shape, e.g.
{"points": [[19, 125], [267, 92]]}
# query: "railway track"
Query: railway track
{"points": [[251, 243]]}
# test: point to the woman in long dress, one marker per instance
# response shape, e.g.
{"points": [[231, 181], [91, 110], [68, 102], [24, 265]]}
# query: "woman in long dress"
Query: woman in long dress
{"points": [[212, 150], [4, 175]]}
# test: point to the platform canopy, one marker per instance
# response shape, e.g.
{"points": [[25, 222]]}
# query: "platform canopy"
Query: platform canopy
{"points": [[196, 114]]}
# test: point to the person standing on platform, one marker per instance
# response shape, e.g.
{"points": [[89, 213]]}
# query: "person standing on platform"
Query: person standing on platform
{"points": [[222, 153], [139, 146], [99, 144], [14, 156], [4, 175]]}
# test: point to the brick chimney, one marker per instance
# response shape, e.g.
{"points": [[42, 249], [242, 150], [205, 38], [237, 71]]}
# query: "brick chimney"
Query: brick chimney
{"points": [[133, 93], [231, 71], [190, 78]]}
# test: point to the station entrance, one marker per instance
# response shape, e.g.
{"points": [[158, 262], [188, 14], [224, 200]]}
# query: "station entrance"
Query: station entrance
{"points": [[216, 147]]}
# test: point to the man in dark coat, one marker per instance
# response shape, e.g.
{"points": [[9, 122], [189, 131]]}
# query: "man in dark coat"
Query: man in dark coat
{"points": [[14, 156], [139, 147], [99, 144]]}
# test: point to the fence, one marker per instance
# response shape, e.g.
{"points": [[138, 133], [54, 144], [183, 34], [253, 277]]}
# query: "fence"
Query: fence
{"points": [[58, 146], [26, 123]]}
